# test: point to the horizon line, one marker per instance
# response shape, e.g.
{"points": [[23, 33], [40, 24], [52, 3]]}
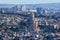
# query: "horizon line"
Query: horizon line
{"points": [[29, 3]]}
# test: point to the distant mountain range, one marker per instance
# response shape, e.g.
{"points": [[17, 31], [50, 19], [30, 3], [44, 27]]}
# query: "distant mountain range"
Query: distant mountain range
{"points": [[33, 6]]}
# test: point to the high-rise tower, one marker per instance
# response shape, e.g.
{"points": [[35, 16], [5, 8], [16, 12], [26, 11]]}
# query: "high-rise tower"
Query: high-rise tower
{"points": [[31, 21], [32, 16]]}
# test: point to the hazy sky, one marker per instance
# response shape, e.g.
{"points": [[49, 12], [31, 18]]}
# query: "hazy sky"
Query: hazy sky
{"points": [[28, 1]]}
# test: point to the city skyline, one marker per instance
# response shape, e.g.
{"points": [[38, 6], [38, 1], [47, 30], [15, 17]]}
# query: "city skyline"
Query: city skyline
{"points": [[28, 1]]}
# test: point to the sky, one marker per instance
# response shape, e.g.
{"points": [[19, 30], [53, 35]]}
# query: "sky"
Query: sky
{"points": [[28, 1]]}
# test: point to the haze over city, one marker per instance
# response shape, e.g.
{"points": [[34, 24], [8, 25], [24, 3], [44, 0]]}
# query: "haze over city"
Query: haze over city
{"points": [[28, 1]]}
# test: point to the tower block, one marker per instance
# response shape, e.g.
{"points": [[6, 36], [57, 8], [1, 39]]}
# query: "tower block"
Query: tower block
{"points": [[34, 23]]}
